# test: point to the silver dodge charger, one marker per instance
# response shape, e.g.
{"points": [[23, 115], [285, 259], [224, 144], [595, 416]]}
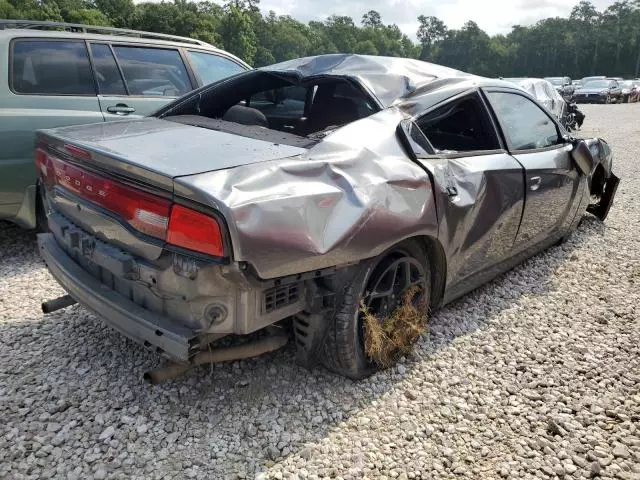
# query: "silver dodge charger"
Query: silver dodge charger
{"points": [[286, 201]]}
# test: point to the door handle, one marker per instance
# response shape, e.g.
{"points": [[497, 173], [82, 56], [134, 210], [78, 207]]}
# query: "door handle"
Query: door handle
{"points": [[534, 183], [120, 109]]}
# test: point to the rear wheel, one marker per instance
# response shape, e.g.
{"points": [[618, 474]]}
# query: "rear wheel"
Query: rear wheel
{"points": [[380, 285]]}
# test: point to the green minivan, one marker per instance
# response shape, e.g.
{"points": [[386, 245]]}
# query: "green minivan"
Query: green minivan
{"points": [[59, 74]]}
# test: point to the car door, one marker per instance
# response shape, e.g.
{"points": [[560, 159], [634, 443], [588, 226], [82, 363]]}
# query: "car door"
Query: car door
{"points": [[615, 90], [47, 83], [481, 200], [535, 140], [137, 80]]}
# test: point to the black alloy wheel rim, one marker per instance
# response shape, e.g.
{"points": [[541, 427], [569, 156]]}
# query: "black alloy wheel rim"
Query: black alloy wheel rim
{"points": [[389, 282]]}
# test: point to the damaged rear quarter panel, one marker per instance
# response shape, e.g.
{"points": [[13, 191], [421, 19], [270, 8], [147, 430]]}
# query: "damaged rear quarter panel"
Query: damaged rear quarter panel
{"points": [[349, 198]]}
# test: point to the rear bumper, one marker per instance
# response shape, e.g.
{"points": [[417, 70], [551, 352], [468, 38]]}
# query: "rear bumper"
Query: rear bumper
{"points": [[130, 319]]}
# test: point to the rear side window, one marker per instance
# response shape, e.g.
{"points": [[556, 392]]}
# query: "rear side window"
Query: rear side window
{"points": [[49, 67], [153, 72], [462, 125], [109, 79], [212, 68]]}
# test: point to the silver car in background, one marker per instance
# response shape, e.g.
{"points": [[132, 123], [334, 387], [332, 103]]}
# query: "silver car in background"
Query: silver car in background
{"points": [[544, 92]]}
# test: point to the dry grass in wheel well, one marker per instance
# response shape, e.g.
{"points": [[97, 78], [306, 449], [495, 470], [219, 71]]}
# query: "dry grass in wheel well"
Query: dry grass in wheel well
{"points": [[388, 339]]}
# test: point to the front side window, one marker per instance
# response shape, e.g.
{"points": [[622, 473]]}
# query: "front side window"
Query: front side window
{"points": [[212, 68], [109, 80], [525, 125], [50, 67], [153, 72], [460, 126]]}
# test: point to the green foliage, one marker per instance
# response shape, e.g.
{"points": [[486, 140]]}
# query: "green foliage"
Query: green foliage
{"points": [[46, 10], [236, 30], [120, 12], [588, 42], [7, 10], [430, 31], [87, 16], [372, 19], [366, 47], [281, 38]]}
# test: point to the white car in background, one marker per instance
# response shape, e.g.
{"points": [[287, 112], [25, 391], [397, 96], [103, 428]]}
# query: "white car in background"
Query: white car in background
{"points": [[630, 91]]}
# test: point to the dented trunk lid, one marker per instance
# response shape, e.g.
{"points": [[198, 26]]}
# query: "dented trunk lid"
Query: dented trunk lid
{"points": [[154, 151], [147, 155]]}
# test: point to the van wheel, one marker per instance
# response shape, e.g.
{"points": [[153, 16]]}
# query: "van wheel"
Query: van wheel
{"points": [[381, 285]]}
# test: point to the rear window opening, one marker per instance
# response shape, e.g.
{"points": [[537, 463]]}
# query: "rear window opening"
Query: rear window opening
{"points": [[275, 107]]}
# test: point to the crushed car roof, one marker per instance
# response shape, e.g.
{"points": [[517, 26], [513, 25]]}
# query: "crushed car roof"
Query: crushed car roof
{"points": [[388, 78]]}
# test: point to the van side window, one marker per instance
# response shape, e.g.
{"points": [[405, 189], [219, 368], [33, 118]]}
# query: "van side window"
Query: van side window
{"points": [[51, 67], [109, 79], [212, 68], [154, 72]]}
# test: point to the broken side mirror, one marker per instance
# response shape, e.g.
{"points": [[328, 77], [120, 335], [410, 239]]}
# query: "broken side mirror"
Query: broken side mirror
{"points": [[583, 157]]}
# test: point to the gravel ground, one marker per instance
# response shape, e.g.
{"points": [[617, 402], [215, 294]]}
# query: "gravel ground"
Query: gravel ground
{"points": [[535, 375]]}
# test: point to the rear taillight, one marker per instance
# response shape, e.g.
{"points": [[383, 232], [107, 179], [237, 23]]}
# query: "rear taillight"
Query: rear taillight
{"points": [[43, 167], [145, 212], [77, 152], [195, 231]]}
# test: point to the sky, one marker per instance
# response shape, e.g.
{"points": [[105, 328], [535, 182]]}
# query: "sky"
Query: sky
{"points": [[493, 16]]}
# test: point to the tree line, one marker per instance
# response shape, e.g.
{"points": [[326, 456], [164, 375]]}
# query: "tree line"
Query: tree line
{"points": [[588, 42]]}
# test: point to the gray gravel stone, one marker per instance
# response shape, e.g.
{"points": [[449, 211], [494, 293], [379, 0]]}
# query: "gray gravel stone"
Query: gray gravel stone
{"points": [[107, 433], [621, 451], [534, 375]]}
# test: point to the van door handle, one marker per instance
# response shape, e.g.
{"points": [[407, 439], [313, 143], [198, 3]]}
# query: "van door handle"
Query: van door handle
{"points": [[120, 109], [534, 183]]}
